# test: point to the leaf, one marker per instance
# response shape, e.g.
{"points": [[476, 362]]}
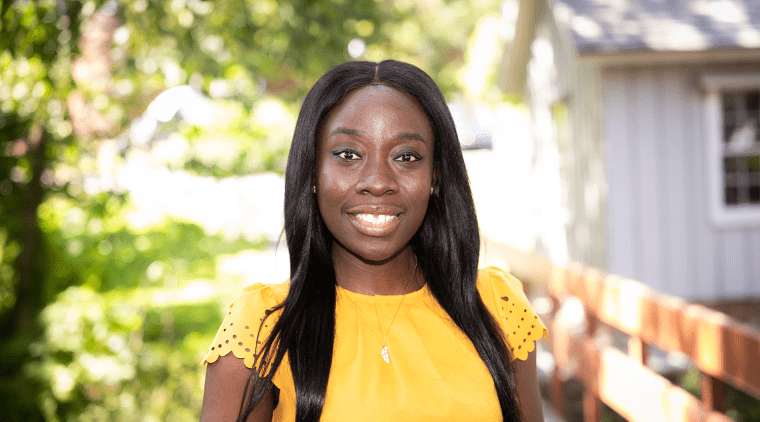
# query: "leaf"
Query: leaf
{"points": [[6, 5]]}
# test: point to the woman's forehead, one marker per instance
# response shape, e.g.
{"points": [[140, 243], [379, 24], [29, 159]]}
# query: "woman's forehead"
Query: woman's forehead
{"points": [[370, 102]]}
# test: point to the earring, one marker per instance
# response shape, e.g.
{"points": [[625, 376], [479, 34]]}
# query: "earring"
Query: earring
{"points": [[314, 188], [431, 190]]}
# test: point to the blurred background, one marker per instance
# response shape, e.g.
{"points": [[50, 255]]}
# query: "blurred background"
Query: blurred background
{"points": [[143, 144], [142, 148]]}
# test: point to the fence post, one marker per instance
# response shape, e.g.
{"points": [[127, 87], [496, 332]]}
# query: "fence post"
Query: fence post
{"points": [[713, 393], [638, 350], [556, 388], [592, 405]]}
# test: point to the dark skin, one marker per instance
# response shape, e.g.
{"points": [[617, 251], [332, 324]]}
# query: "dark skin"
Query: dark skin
{"points": [[223, 392], [373, 177]]}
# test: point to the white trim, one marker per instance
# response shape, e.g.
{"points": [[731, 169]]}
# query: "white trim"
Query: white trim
{"points": [[722, 216], [612, 59], [733, 81]]}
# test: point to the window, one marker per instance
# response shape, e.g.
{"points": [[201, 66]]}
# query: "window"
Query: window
{"points": [[733, 148], [741, 148]]}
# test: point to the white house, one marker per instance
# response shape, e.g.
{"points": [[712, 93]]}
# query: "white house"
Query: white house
{"points": [[654, 108]]}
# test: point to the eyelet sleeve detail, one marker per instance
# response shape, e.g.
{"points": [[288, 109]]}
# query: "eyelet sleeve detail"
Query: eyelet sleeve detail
{"points": [[503, 295], [239, 332]]}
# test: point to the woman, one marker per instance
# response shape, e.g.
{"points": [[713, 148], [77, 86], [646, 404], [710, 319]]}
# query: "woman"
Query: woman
{"points": [[386, 316]]}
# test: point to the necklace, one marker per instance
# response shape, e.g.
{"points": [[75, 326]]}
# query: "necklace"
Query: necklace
{"points": [[384, 351]]}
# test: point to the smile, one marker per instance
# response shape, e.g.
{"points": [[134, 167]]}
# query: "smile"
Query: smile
{"points": [[375, 225], [376, 219]]}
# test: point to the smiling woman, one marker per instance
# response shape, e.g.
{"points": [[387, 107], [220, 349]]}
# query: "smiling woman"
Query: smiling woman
{"points": [[386, 316], [373, 177]]}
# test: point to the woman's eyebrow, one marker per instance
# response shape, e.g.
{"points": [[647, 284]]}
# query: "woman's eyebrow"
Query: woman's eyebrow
{"points": [[344, 131], [411, 137], [405, 136]]}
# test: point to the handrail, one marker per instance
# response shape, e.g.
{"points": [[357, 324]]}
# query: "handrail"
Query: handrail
{"points": [[726, 352]]}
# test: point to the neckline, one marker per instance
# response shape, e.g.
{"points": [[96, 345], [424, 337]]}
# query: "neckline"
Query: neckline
{"points": [[411, 295]]}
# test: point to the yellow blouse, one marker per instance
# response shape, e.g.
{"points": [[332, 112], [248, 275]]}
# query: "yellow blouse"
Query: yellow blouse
{"points": [[434, 371]]}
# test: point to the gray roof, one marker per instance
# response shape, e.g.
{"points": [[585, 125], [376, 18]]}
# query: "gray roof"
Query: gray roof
{"points": [[601, 26]]}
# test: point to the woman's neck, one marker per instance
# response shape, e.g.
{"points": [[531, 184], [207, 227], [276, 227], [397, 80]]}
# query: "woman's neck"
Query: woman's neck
{"points": [[397, 275]]}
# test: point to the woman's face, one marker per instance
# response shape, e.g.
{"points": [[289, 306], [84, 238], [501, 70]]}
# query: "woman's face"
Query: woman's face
{"points": [[374, 170]]}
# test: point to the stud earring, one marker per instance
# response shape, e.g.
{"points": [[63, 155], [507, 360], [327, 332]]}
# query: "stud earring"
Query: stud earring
{"points": [[431, 190], [314, 188]]}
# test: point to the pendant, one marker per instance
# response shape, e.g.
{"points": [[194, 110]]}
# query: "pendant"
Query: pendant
{"points": [[384, 354]]}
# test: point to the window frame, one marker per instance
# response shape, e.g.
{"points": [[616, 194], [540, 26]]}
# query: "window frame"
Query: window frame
{"points": [[722, 215]]}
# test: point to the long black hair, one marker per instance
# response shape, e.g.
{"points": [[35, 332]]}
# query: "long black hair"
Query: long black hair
{"points": [[447, 247]]}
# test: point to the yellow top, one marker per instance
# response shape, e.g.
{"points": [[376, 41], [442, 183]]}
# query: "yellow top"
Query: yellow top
{"points": [[434, 371]]}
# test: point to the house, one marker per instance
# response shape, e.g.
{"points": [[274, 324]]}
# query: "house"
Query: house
{"points": [[654, 107]]}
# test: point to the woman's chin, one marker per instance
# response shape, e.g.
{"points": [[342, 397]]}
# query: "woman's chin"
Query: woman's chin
{"points": [[370, 255]]}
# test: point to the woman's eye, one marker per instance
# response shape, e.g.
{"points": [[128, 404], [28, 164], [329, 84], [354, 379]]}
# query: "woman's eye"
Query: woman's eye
{"points": [[348, 155], [407, 157]]}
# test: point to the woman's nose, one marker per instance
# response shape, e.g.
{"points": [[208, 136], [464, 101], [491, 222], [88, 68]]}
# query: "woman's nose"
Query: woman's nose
{"points": [[377, 178]]}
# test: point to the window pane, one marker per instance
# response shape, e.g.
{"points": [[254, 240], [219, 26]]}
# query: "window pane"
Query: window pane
{"points": [[754, 178], [753, 163], [741, 164], [732, 196], [754, 195], [753, 103], [728, 129], [729, 102], [729, 164]]}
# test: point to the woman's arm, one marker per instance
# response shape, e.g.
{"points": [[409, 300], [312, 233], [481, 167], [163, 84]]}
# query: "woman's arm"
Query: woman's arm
{"points": [[528, 394], [223, 392]]}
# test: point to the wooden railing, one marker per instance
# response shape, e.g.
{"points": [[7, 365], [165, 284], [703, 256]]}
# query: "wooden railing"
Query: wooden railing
{"points": [[726, 352]]}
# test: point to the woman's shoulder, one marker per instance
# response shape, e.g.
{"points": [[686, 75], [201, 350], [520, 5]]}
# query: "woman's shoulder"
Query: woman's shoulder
{"points": [[497, 278], [495, 283], [503, 295], [248, 322], [259, 294]]}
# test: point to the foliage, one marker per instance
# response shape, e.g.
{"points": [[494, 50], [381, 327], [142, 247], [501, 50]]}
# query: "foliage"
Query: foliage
{"points": [[239, 142], [117, 357], [740, 406], [80, 281]]}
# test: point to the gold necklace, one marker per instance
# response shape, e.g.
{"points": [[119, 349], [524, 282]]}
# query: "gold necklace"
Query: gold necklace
{"points": [[384, 351]]}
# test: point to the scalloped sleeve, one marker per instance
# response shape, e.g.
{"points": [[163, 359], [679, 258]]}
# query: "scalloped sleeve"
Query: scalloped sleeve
{"points": [[503, 295], [244, 328]]}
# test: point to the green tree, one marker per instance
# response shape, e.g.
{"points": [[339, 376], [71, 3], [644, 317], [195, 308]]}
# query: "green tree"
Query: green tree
{"points": [[74, 75]]}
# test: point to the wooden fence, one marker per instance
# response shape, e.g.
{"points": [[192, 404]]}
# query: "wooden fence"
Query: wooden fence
{"points": [[726, 352]]}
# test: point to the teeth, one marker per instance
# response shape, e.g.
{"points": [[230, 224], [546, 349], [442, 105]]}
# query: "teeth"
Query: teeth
{"points": [[375, 219]]}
